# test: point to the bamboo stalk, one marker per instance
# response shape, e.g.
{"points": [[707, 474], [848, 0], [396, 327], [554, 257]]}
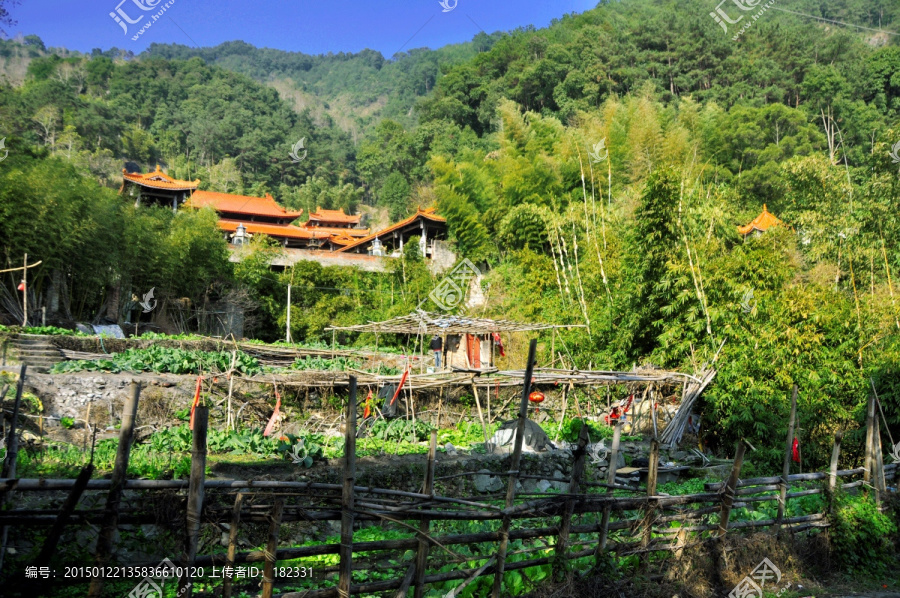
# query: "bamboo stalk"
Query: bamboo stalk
{"points": [[196, 494], [268, 580], [650, 513], [487, 444], [348, 499], [835, 454], [65, 512], [610, 480], [120, 471], [565, 523], [728, 498], [424, 525], [870, 440], [786, 468], [232, 544], [514, 473]]}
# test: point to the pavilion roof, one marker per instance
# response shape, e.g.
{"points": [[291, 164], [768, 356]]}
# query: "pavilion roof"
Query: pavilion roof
{"points": [[157, 179], [422, 322], [762, 223], [337, 216], [427, 213], [273, 230], [241, 204]]}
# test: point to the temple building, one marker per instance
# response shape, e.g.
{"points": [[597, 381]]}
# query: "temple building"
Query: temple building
{"points": [[156, 188], [760, 224], [425, 224]]}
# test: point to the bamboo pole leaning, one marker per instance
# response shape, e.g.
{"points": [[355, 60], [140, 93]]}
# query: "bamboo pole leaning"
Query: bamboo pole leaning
{"points": [[348, 497]]}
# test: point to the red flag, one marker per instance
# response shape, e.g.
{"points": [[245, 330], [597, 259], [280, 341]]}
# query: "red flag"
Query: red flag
{"points": [[368, 410], [196, 400], [271, 423], [795, 450], [499, 344], [400, 386]]}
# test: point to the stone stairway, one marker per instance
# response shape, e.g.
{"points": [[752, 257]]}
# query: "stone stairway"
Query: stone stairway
{"points": [[37, 352]]}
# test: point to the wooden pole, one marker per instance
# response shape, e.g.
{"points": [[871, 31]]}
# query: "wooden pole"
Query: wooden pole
{"points": [[835, 454], [196, 494], [487, 444], [728, 498], [514, 470], [271, 548], [562, 417], [229, 416], [287, 326], [347, 497], [25, 292], [869, 462], [232, 543], [87, 426], [560, 565], [107, 537], [880, 485], [12, 440], [786, 468], [650, 513], [65, 512], [424, 525], [610, 481]]}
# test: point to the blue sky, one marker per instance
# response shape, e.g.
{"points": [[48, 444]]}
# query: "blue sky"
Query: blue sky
{"points": [[311, 26]]}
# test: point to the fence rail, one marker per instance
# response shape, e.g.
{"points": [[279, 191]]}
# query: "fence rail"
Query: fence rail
{"points": [[640, 524]]}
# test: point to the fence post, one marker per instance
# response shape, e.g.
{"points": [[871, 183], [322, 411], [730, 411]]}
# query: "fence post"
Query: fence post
{"points": [[650, 512], [271, 549], [65, 512], [514, 471], [786, 468], [610, 480], [730, 486], [120, 472], [12, 441], [196, 492], [835, 454], [878, 458], [560, 567], [347, 498], [868, 462], [422, 554], [232, 544]]}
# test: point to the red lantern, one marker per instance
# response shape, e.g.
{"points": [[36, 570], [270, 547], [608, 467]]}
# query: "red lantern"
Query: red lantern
{"points": [[21, 286], [537, 397]]}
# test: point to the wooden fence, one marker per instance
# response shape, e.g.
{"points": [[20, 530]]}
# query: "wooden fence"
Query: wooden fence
{"points": [[585, 522]]}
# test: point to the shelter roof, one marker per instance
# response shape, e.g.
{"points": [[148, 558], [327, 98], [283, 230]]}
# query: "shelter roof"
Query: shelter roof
{"points": [[427, 214], [321, 215], [422, 322], [762, 223], [242, 204], [157, 179], [273, 230]]}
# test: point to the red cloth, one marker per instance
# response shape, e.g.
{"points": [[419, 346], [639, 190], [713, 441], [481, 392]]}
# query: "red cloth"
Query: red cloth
{"points": [[795, 451], [368, 409], [21, 286], [400, 386], [272, 419], [196, 400], [499, 344]]}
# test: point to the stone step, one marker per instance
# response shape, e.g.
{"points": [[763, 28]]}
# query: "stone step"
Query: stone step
{"points": [[39, 351]]}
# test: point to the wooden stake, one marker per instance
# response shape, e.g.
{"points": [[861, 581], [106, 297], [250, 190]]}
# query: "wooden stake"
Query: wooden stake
{"points": [[728, 498], [835, 454], [232, 543], [786, 468], [424, 525], [514, 470], [487, 444], [869, 462], [271, 548], [12, 440], [560, 567], [229, 417], [650, 513], [65, 512], [347, 497], [87, 426], [196, 495], [107, 537], [610, 481], [562, 417], [880, 485]]}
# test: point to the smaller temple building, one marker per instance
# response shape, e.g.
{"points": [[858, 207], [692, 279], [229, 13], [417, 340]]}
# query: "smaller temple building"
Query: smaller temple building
{"points": [[156, 188], [760, 224], [425, 224]]}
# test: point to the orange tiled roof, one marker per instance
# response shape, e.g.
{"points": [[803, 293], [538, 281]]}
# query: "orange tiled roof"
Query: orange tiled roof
{"points": [[762, 223], [158, 180], [426, 213], [241, 204], [273, 230], [354, 233], [321, 215]]}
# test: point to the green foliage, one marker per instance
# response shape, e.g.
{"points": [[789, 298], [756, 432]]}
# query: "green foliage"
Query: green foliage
{"points": [[53, 330], [67, 422], [861, 535], [571, 428], [337, 364], [164, 360], [401, 429]]}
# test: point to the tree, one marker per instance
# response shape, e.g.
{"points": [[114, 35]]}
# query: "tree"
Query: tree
{"points": [[394, 194]]}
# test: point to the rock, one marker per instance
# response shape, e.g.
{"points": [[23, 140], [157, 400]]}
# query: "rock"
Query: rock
{"points": [[558, 475], [451, 450], [604, 463], [543, 485], [620, 461], [561, 486], [485, 482]]}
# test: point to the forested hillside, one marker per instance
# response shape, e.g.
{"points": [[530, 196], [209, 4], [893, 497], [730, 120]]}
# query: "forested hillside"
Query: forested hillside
{"points": [[598, 168]]}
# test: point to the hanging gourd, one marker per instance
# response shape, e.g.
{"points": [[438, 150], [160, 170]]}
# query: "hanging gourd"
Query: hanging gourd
{"points": [[537, 397]]}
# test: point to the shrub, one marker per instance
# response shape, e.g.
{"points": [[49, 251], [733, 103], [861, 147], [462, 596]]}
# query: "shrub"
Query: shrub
{"points": [[861, 535]]}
